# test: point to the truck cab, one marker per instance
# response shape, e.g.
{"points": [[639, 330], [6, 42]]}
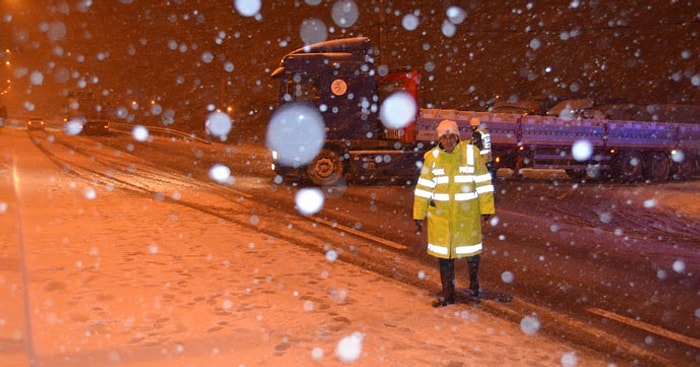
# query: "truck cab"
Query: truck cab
{"points": [[339, 78]]}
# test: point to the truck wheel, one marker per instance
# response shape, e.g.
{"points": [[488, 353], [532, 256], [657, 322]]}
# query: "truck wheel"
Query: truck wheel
{"points": [[327, 169], [627, 166], [657, 166]]}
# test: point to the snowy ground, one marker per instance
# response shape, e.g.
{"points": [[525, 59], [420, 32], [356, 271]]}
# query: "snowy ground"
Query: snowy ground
{"points": [[116, 279]]}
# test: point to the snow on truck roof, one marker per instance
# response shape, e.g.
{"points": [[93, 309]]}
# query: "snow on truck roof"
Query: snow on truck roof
{"points": [[333, 49], [339, 45]]}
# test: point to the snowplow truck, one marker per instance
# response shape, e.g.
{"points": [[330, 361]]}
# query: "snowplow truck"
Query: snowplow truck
{"points": [[340, 75]]}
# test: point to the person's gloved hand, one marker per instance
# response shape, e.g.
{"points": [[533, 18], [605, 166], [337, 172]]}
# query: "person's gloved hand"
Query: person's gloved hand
{"points": [[419, 226]]}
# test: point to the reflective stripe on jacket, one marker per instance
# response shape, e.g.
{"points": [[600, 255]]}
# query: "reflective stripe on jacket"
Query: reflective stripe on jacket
{"points": [[453, 191]]}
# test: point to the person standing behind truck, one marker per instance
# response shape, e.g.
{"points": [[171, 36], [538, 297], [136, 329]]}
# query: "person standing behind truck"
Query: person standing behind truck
{"points": [[482, 139], [453, 192]]}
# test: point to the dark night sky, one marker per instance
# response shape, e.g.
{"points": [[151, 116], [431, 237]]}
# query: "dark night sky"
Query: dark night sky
{"points": [[140, 52]]}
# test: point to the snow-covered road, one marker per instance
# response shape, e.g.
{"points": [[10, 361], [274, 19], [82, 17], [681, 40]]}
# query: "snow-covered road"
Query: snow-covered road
{"points": [[99, 273]]}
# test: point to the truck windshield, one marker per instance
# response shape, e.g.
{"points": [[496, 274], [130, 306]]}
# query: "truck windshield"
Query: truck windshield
{"points": [[300, 88]]}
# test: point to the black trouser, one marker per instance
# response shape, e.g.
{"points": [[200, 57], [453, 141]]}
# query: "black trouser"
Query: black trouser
{"points": [[447, 276], [473, 262]]}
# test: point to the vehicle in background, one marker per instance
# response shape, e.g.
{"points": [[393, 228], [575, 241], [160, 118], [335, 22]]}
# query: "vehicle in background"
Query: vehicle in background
{"points": [[96, 127], [521, 107], [3, 115], [620, 110], [534, 106], [86, 114], [672, 112], [577, 108], [36, 123]]}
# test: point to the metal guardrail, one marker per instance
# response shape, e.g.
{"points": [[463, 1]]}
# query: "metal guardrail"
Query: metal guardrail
{"points": [[122, 127], [118, 127]]}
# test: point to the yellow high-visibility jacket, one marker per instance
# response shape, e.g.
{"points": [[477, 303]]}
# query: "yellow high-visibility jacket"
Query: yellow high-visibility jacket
{"points": [[453, 192]]}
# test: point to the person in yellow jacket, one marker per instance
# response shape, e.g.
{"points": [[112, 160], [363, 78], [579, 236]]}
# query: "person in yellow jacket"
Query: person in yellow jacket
{"points": [[454, 191]]}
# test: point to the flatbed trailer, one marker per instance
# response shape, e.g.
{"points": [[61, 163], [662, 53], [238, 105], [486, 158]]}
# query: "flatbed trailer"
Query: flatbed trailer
{"points": [[622, 150]]}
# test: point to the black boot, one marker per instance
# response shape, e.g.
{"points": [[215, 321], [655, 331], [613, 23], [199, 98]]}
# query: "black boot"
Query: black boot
{"points": [[447, 277], [473, 262]]}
